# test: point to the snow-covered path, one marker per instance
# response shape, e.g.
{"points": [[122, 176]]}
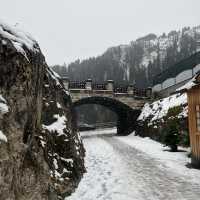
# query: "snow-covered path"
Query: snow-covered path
{"points": [[117, 171]]}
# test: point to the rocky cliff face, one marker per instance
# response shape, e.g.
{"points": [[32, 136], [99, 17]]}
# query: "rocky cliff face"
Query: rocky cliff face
{"points": [[41, 155]]}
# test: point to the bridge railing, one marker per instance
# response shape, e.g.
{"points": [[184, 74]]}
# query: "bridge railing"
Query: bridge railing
{"points": [[121, 89], [99, 86], [140, 92], [77, 84], [108, 86]]}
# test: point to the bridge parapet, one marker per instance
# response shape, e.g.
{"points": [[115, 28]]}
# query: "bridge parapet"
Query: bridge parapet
{"points": [[107, 88]]}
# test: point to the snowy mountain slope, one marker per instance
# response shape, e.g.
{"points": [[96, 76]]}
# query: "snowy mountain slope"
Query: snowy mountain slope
{"points": [[140, 60], [153, 45]]}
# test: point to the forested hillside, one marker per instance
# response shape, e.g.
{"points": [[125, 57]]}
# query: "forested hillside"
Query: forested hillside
{"points": [[139, 61]]}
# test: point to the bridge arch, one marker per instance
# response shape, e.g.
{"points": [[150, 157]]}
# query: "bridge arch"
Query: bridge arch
{"points": [[126, 115]]}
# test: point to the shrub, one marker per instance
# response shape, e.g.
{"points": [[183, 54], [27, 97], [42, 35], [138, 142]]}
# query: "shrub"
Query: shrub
{"points": [[172, 136], [185, 139]]}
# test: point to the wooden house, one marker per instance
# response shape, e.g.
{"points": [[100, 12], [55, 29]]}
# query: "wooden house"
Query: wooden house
{"points": [[193, 94]]}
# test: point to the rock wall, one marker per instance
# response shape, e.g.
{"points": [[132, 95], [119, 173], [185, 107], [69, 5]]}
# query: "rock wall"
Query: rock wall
{"points": [[63, 147], [41, 155]]}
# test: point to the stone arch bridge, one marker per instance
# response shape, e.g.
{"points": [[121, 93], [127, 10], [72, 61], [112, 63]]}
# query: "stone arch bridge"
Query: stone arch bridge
{"points": [[126, 101]]}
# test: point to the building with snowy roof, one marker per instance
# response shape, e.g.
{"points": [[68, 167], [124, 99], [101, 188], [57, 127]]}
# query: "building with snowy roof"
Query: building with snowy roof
{"points": [[176, 76]]}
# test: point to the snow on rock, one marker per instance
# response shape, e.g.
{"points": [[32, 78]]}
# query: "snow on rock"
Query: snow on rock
{"points": [[58, 105], [43, 143], [3, 137], [158, 109], [57, 172], [58, 126], [55, 163], [57, 79], [19, 38], [3, 105], [54, 75]]}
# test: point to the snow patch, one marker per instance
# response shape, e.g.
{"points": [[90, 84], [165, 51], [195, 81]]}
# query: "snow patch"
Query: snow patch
{"points": [[3, 137], [19, 38], [58, 105], [54, 76], [191, 83], [43, 143], [57, 126], [55, 163], [3, 105]]}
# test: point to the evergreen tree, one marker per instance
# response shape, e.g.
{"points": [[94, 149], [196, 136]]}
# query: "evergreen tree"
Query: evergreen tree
{"points": [[172, 134]]}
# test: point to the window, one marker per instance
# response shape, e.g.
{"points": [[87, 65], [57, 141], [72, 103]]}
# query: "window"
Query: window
{"points": [[198, 117]]}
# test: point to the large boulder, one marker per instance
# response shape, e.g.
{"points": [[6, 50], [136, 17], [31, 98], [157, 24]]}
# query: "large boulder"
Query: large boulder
{"points": [[41, 154]]}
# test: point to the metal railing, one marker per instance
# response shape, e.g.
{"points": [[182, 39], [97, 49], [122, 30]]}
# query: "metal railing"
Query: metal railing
{"points": [[77, 84], [108, 86]]}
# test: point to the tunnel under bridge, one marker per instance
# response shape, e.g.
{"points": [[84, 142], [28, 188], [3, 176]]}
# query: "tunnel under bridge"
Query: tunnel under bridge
{"points": [[126, 115]]}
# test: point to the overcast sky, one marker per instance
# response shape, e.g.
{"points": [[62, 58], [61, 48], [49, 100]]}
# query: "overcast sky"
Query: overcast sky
{"points": [[70, 29]]}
